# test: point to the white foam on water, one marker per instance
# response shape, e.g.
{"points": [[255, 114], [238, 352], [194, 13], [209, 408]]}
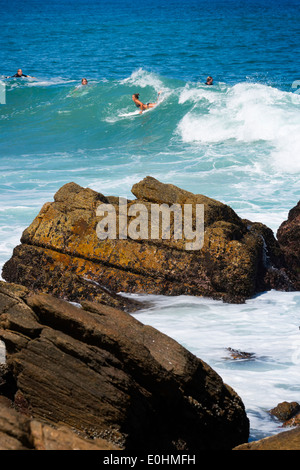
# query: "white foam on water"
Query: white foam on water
{"points": [[14, 82], [46, 83], [285, 157], [246, 113], [267, 326], [271, 219], [196, 94], [9, 239], [142, 79], [2, 352]]}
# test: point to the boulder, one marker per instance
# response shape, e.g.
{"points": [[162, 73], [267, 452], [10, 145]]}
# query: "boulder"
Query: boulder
{"points": [[19, 432], [288, 236], [97, 371], [287, 440], [62, 254], [285, 410], [293, 421]]}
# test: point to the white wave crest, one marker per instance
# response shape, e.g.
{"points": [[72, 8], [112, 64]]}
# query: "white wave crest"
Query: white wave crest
{"points": [[141, 78], [246, 113]]}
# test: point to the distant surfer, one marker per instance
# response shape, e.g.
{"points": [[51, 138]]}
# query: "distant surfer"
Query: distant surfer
{"points": [[20, 74], [141, 105], [209, 81], [84, 82]]}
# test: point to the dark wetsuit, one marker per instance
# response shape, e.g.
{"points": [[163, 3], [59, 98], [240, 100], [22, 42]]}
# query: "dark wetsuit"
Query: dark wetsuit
{"points": [[16, 75]]}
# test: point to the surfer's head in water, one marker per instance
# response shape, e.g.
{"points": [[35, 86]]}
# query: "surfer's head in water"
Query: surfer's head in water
{"points": [[83, 83], [141, 105], [209, 81], [20, 74]]}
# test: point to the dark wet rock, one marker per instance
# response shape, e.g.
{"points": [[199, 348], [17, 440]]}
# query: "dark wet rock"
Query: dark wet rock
{"points": [[294, 421], [285, 410], [287, 440], [61, 253], [99, 372], [236, 354], [7, 383], [288, 236], [20, 432]]}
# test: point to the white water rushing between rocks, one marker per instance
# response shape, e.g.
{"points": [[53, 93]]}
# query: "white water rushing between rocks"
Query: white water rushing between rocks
{"points": [[266, 326]]}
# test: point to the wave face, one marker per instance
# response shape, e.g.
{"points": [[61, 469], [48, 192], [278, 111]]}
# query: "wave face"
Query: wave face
{"points": [[236, 143]]}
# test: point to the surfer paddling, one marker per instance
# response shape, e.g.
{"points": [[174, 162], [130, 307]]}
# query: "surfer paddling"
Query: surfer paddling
{"points": [[84, 82], [20, 74], [141, 105]]}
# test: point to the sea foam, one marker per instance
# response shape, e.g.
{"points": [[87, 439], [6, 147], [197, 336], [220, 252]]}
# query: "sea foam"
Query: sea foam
{"points": [[266, 326], [246, 113]]}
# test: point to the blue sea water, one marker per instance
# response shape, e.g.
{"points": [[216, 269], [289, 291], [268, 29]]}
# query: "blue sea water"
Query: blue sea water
{"points": [[237, 141]]}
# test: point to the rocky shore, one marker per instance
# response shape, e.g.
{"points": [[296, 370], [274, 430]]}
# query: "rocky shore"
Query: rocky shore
{"points": [[81, 372], [100, 374], [288, 236], [61, 254]]}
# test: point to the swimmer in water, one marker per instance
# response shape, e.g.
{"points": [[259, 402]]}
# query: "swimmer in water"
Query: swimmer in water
{"points": [[84, 82], [209, 81], [141, 105], [20, 74]]}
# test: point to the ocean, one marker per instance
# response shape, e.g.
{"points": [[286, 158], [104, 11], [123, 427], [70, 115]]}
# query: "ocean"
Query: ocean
{"points": [[237, 141]]}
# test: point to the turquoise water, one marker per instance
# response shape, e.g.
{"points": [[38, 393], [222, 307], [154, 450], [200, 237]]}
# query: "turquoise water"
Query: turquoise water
{"points": [[237, 141]]}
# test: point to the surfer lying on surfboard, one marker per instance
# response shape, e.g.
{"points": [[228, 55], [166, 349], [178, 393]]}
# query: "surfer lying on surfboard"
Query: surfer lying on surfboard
{"points": [[20, 74], [141, 105]]}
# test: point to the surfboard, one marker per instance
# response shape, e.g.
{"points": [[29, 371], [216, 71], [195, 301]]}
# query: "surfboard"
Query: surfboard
{"points": [[134, 113]]}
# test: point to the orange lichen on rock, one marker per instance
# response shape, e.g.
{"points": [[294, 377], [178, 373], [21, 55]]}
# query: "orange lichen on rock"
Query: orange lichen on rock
{"points": [[238, 258]]}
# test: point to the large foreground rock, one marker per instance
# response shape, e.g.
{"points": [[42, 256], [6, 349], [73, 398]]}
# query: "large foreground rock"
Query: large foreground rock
{"points": [[288, 236], [62, 254], [288, 440], [20, 432], [99, 372]]}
